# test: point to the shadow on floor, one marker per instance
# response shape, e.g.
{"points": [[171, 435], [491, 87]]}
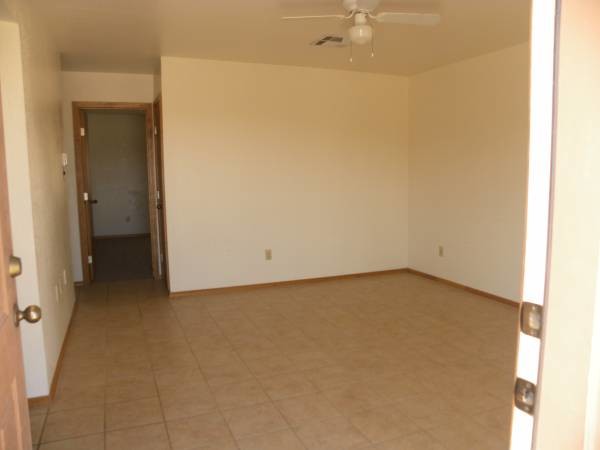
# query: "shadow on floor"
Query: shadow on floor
{"points": [[122, 258]]}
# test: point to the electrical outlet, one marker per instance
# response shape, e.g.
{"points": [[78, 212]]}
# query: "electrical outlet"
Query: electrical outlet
{"points": [[268, 254], [441, 251]]}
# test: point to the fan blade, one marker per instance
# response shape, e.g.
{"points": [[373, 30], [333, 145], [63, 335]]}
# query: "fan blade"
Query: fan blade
{"points": [[330, 16], [408, 18]]}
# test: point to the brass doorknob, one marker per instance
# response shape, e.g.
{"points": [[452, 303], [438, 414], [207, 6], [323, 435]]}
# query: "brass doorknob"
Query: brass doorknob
{"points": [[31, 314], [14, 266]]}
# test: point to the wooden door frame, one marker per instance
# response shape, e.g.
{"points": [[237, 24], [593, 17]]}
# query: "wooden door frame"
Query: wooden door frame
{"points": [[160, 168], [81, 166]]}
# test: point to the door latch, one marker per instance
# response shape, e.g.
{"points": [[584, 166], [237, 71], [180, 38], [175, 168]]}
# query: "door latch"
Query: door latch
{"points": [[531, 319], [524, 395]]}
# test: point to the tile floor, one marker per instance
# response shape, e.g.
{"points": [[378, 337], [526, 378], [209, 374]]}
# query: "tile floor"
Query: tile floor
{"points": [[382, 362]]}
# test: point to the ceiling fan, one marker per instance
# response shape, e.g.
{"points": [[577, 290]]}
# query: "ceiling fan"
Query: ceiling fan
{"points": [[361, 12]]}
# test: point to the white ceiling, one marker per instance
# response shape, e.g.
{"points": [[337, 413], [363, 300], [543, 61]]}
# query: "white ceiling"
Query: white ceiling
{"points": [[130, 35]]}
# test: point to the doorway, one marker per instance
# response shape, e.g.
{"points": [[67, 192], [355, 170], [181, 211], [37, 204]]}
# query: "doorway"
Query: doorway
{"points": [[116, 183]]}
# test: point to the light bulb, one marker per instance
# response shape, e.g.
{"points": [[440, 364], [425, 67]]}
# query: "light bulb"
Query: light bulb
{"points": [[361, 34]]}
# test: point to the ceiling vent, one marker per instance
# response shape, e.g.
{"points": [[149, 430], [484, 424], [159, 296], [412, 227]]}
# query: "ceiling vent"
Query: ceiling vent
{"points": [[330, 41]]}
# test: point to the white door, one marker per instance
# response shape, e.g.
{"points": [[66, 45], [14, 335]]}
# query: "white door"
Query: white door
{"points": [[562, 270]]}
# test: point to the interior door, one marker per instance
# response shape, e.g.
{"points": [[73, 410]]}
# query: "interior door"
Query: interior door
{"points": [[14, 417], [160, 199], [86, 199], [539, 198]]}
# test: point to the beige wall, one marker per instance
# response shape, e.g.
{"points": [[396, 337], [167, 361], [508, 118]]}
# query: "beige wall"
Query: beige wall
{"points": [[19, 191], [118, 172], [97, 87], [309, 163], [157, 84], [41, 76], [468, 170]]}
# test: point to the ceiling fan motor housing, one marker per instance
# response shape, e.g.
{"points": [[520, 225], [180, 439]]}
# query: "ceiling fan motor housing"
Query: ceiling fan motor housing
{"points": [[360, 5]]}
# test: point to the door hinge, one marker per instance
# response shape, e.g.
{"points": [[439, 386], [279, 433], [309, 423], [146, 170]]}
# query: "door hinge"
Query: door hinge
{"points": [[86, 197], [82, 131], [531, 319], [90, 259], [525, 395], [155, 131]]}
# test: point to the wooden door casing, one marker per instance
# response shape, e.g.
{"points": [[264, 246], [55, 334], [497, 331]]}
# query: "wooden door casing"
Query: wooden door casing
{"points": [[160, 185], [83, 179]]}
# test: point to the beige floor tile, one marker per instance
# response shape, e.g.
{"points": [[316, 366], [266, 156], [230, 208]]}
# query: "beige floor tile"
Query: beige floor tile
{"points": [[498, 418], [77, 397], [88, 376], [132, 390], [208, 431], [330, 434], [428, 410], [278, 440], [148, 437], [416, 441], [287, 385], [166, 348], [298, 410], [180, 401], [355, 397], [133, 413], [128, 372], [330, 377], [166, 378], [226, 374], [73, 423], [176, 359], [241, 394], [215, 357], [271, 365], [471, 399], [397, 385], [257, 419], [397, 343], [460, 434], [437, 419], [213, 340], [383, 424], [91, 442], [310, 360]]}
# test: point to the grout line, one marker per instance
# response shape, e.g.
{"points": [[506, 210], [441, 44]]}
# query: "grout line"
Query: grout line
{"points": [[160, 402], [232, 347], [79, 436], [272, 305], [257, 379]]}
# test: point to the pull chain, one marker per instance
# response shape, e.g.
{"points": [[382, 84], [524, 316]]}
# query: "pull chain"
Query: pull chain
{"points": [[351, 52], [373, 48]]}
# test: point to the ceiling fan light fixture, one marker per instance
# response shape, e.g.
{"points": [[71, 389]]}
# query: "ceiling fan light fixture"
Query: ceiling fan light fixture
{"points": [[361, 34]]}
